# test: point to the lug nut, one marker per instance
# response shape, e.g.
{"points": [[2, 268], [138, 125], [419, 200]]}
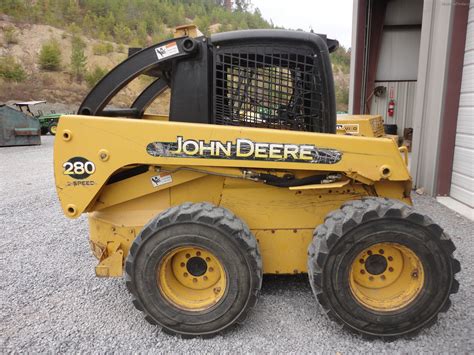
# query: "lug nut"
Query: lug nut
{"points": [[361, 261], [205, 278], [208, 259], [390, 258], [369, 252], [182, 264], [371, 278], [195, 280], [382, 277], [185, 274], [198, 253], [188, 256], [217, 289], [414, 274], [390, 269], [362, 272], [211, 269], [381, 251]]}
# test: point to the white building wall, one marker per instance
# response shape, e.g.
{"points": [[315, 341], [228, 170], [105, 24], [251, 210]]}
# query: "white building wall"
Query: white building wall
{"points": [[430, 92], [462, 182]]}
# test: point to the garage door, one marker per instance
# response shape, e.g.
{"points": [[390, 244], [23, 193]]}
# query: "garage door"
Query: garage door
{"points": [[462, 183]]}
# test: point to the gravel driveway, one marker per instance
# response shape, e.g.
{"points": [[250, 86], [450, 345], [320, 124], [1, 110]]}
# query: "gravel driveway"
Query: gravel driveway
{"points": [[50, 299]]}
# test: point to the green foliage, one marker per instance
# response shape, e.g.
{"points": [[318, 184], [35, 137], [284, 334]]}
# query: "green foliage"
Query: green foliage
{"points": [[341, 62], [124, 21], [242, 5], [341, 59], [102, 48], [121, 48], [74, 29], [11, 36], [78, 58], [11, 70], [342, 98], [203, 24], [93, 76], [50, 56], [122, 33]]}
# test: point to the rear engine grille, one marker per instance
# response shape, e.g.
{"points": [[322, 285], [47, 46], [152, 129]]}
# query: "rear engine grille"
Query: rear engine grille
{"points": [[377, 126]]}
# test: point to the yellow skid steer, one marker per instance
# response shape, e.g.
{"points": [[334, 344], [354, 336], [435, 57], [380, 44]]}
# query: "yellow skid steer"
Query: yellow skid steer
{"points": [[245, 177]]}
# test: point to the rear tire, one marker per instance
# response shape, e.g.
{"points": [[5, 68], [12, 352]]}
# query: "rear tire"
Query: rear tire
{"points": [[195, 270], [381, 269], [52, 128]]}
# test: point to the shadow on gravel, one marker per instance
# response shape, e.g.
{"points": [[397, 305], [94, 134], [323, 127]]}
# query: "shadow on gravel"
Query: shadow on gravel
{"points": [[278, 283]]}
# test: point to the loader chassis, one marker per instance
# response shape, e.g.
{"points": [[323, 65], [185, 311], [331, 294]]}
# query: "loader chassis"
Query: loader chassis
{"points": [[246, 177], [110, 144]]}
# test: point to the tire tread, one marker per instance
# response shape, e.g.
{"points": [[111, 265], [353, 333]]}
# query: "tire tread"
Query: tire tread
{"points": [[203, 213], [351, 214]]}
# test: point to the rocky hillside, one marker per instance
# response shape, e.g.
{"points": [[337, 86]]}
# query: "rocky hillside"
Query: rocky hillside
{"points": [[58, 85], [23, 35]]}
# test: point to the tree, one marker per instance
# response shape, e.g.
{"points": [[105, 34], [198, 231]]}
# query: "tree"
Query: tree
{"points": [[72, 12], [203, 24], [50, 56], [93, 76], [125, 20], [11, 70], [122, 33], [10, 35], [78, 58], [242, 5]]}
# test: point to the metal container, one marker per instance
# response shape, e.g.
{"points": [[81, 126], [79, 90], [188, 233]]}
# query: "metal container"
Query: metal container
{"points": [[18, 128]]}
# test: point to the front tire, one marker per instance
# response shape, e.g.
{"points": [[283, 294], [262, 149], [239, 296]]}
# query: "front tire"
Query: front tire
{"points": [[381, 269], [195, 270]]}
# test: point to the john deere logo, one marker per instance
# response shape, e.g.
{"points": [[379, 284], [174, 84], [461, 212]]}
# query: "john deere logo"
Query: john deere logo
{"points": [[244, 149]]}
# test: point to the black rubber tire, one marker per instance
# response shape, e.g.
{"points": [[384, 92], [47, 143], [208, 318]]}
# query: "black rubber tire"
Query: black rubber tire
{"points": [[356, 226], [51, 125], [44, 131], [202, 225]]}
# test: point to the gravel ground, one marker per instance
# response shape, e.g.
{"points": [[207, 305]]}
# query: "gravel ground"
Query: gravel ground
{"points": [[50, 299]]}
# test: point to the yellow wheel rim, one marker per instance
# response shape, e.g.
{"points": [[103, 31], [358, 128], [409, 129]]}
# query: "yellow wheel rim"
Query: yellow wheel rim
{"points": [[386, 277], [53, 129], [191, 278]]}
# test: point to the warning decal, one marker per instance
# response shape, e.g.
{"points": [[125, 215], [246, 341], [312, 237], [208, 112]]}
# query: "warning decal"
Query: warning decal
{"points": [[167, 50], [161, 180]]}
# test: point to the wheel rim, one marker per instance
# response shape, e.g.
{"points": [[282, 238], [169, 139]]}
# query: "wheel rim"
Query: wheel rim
{"points": [[386, 277], [191, 278], [53, 129]]}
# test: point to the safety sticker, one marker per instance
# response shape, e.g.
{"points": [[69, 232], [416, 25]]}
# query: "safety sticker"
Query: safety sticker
{"points": [[167, 50], [349, 127], [159, 180]]}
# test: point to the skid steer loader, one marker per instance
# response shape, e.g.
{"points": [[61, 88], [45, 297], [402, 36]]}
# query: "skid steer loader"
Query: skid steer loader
{"points": [[245, 177]]}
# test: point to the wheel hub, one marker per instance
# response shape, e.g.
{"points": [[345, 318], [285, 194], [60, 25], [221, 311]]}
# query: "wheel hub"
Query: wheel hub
{"points": [[196, 266], [191, 278], [376, 264], [386, 276]]}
